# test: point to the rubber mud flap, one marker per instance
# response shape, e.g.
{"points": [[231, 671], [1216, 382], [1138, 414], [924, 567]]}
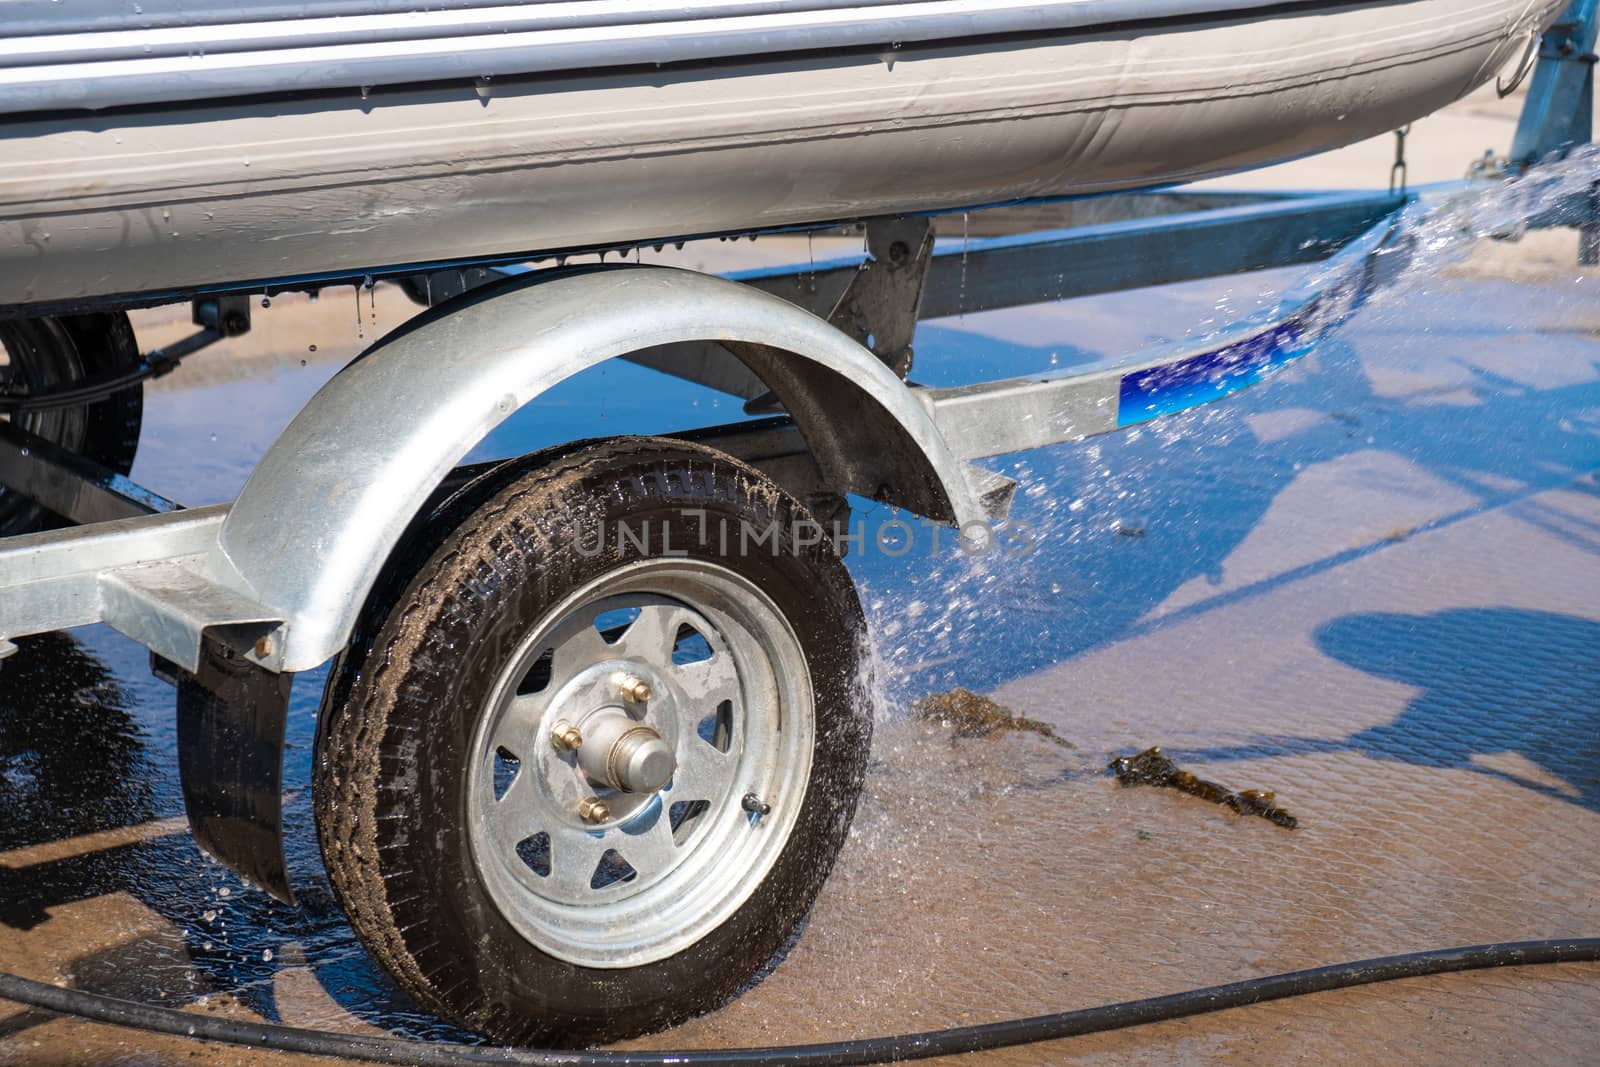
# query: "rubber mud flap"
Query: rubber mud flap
{"points": [[231, 717]]}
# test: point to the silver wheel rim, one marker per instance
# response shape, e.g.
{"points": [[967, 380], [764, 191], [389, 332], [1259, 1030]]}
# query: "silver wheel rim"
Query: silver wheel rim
{"points": [[729, 694]]}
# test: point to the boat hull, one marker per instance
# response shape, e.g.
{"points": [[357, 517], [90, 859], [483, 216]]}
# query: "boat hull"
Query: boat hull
{"points": [[162, 201]]}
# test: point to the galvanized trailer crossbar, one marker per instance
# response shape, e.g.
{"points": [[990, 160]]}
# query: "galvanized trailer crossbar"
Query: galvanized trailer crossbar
{"points": [[234, 599], [167, 579], [163, 580]]}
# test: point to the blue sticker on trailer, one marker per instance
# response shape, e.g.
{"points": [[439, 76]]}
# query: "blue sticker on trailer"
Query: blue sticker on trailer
{"points": [[1157, 391], [1199, 379]]}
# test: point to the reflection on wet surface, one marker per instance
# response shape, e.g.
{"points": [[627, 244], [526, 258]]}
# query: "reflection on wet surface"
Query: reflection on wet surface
{"points": [[1370, 584], [72, 759], [100, 883]]}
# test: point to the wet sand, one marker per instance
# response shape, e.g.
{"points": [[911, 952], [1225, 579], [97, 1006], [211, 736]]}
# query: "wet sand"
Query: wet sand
{"points": [[1371, 585]]}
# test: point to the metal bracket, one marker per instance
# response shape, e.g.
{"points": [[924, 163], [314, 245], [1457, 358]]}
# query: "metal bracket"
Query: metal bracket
{"points": [[1559, 111], [226, 313], [880, 305], [231, 717], [219, 317], [879, 308], [1397, 173]]}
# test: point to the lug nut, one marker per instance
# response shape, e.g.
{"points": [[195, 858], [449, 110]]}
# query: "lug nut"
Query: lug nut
{"points": [[635, 689], [565, 736], [593, 809]]}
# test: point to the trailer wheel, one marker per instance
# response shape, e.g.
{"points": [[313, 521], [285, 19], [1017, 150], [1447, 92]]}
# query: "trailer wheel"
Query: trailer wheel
{"points": [[573, 787], [46, 352]]}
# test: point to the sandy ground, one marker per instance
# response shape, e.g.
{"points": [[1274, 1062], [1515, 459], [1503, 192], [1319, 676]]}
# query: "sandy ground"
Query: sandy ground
{"points": [[1370, 586]]}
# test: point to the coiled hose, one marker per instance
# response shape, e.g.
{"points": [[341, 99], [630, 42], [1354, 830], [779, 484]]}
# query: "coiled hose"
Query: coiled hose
{"points": [[118, 1012]]}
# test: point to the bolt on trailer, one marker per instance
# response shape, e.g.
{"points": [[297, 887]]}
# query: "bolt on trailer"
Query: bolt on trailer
{"points": [[567, 788]]}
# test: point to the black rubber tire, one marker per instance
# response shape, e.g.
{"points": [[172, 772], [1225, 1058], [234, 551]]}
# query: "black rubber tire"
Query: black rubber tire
{"points": [[56, 351], [402, 702]]}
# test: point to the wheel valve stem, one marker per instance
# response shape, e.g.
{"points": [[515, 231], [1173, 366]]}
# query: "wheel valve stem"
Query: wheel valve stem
{"points": [[593, 809], [755, 805], [635, 689], [565, 736]]}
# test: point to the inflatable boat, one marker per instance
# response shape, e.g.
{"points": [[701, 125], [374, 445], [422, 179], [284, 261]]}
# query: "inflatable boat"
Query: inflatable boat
{"points": [[155, 148]]}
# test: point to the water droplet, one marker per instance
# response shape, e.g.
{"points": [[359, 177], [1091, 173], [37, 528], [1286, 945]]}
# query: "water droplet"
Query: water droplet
{"points": [[266, 955]]}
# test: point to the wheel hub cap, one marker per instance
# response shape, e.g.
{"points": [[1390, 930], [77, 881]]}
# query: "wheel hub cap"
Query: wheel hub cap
{"points": [[624, 753]]}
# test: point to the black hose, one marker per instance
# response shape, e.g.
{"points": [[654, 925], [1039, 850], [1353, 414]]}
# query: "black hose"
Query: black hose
{"points": [[119, 1012]]}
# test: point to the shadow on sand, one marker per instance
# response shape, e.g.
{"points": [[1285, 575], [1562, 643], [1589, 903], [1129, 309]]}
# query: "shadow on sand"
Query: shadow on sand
{"points": [[1493, 681]]}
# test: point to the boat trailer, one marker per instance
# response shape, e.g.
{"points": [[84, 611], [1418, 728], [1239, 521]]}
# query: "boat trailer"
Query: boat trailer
{"points": [[309, 564]]}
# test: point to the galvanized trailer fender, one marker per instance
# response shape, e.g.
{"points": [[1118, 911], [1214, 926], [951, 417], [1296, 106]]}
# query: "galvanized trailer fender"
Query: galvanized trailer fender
{"points": [[283, 570], [330, 499]]}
